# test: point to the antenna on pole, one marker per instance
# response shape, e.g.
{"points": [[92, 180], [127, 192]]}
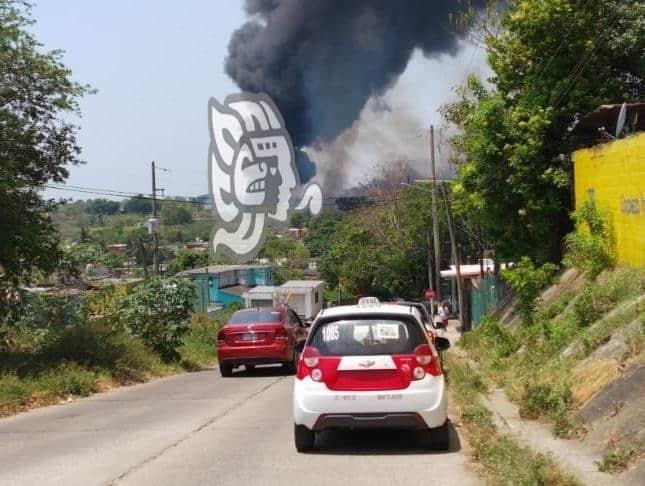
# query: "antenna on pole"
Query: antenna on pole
{"points": [[622, 116]]}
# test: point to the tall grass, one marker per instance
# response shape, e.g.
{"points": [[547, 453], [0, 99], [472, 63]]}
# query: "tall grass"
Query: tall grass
{"points": [[42, 366], [534, 362], [503, 458]]}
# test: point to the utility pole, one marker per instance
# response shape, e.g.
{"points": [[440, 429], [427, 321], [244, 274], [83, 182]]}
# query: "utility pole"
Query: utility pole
{"points": [[155, 235], [435, 222], [455, 257]]}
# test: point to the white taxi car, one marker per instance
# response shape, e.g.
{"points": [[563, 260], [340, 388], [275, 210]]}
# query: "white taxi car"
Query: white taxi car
{"points": [[370, 365]]}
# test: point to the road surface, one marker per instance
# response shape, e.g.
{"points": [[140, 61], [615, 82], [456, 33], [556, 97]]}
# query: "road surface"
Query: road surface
{"points": [[199, 428]]}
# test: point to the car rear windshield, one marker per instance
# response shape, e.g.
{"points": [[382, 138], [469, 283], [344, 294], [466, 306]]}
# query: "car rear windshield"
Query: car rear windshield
{"points": [[249, 317], [363, 337]]}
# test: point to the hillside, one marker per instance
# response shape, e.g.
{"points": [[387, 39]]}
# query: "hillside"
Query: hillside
{"points": [[579, 367]]}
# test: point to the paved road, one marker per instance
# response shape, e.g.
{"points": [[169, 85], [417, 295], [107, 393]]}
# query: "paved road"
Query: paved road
{"points": [[201, 429]]}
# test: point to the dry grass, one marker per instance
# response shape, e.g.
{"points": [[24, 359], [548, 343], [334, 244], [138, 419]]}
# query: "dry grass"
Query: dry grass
{"points": [[500, 457], [590, 377]]}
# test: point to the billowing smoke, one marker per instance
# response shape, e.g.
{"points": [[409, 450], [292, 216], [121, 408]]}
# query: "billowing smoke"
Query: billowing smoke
{"points": [[322, 60]]}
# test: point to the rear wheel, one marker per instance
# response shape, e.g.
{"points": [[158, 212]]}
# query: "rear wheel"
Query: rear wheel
{"points": [[436, 439], [226, 370], [303, 438]]}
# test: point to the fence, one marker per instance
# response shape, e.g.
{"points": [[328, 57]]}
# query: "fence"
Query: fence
{"points": [[486, 296]]}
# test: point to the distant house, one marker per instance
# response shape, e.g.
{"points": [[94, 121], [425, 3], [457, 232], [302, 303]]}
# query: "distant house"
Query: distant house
{"points": [[197, 245], [222, 285], [304, 296], [296, 233], [119, 248]]}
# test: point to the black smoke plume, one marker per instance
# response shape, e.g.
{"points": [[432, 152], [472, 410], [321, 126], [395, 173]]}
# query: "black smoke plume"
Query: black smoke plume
{"points": [[321, 60]]}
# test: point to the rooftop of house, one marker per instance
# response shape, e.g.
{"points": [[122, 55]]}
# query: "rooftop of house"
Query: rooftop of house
{"points": [[302, 284], [223, 268], [262, 289]]}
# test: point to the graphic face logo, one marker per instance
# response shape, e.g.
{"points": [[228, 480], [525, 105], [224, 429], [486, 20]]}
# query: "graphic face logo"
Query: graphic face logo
{"points": [[253, 178]]}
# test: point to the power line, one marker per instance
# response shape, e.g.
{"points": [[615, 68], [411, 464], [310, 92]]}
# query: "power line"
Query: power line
{"points": [[328, 201]]}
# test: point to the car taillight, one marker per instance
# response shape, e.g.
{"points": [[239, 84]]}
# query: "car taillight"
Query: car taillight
{"points": [[310, 356], [308, 362], [428, 361], [281, 334], [418, 373], [221, 338]]}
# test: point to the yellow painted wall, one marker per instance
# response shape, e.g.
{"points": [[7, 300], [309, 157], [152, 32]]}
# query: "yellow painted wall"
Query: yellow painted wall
{"points": [[615, 172]]}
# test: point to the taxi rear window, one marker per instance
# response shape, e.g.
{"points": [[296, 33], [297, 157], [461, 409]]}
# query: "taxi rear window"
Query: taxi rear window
{"points": [[366, 336]]}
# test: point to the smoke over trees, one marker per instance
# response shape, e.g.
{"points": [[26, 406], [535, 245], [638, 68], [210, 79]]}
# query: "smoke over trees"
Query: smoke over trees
{"points": [[321, 60]]}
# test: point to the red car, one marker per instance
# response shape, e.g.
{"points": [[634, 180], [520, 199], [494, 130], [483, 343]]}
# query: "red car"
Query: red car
{"points": [[258, 336]]}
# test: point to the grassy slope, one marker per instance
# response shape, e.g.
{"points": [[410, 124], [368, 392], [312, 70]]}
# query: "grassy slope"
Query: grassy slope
{"points": [[546, 367], [498, 454]]}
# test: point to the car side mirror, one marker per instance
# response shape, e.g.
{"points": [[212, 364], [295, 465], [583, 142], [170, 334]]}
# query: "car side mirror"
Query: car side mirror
{"points": [[441, 343]]}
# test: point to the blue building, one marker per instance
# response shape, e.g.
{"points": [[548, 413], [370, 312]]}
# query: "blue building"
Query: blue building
{"points": [[222, 285]]}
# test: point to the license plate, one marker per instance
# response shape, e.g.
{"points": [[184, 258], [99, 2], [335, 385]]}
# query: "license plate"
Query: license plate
{"points": [[248, 336]]}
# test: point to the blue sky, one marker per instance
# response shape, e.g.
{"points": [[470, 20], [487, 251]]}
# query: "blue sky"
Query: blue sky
{"points": [[156, 64]]}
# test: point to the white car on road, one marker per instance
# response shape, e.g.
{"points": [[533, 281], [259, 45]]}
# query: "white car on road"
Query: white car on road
{"points": [[370, 365]]}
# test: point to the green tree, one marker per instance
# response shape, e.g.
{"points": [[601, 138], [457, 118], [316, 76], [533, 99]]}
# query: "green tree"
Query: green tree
{"points": [[138, 204], [382, 250], [552, 61], [289, 256], [319, 231], [299, 219], [157, 310], [102, 206], [175, 214], [526, 280], [37, 144], [139, 247], [186, 259], [591, 246]]}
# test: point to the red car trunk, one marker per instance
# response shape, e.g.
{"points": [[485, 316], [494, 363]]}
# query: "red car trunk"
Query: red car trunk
{"points": [[250, 334]]}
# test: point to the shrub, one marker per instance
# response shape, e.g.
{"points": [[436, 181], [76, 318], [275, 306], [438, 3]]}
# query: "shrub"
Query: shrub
{"points": [[157, 311], [96, 346], [585, 308], [618, 459], [68, 379], [499, 337], [199, 345], [590, 246], [12, 388], [542, 399], [526, 281]]}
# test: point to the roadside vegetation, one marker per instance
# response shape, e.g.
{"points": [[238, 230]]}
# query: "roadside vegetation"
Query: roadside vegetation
{"points": [[502, 458], [550, 361], [74, 346], [535, 360]]}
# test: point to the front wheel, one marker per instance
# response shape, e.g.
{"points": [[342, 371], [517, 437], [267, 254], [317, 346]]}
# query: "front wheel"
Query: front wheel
{"points": [[303, 438], [292, 366]]}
